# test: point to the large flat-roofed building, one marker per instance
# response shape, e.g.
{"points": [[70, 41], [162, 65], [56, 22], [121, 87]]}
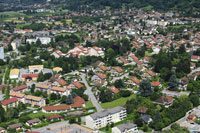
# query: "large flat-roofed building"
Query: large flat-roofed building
{"points": [[35, 68], [1, 53], [101, 119], [14, 74], [125, 128]]}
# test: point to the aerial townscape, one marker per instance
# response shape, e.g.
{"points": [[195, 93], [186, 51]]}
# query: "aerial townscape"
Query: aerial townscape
{"points": [[99, 66]]}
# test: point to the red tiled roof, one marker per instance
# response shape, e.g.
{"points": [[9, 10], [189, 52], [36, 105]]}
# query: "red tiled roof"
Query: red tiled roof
{"points": [[103, 68], [135, 80], [78, 102], [195, 57], [77, 84], [123, 60], [136, 59], [30, 75], [155, 83], [57, 107], [101, 75], [142, 109], [54, 117], [11, 100], [18, 88], [151, 73], [164, 99], [114, 89], [62, 82], [118, 69]]}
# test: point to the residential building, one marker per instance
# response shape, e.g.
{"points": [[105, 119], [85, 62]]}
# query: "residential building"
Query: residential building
{"points": [[20, 89], [35, 101], [125, 128], [146, 118], [19, 96], [63, 91], [56, 109], [10, 103], [2, 53], [2, 130], [33, 122], [14, 73], [78, 103], [42, 87], [57, 69], [165, 100], [113, 89], [17, 126], [77, 85], [35, 68], [54, 117], [15, 44], [29, 77], [101, 119]]}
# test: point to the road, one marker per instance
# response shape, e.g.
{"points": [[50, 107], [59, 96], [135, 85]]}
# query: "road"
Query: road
{"points": [[90, 94], [195, 70], [121, 77]]}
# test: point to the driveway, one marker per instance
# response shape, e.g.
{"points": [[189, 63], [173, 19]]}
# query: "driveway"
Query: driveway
{"points": [[90, 94]]}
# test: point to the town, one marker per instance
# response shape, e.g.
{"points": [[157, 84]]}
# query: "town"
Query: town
{"points": [[112, 70]]}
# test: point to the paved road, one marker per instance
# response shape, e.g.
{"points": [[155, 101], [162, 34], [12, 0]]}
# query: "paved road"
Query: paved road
{"points": [[195, 70], [121, 77], [90, 94]]}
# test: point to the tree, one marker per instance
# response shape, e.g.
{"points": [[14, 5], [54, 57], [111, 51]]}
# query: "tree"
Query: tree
{"points": [[38, 42], [70, 100], [194, 98], [53, 96], [173, 83], [119, 83], [32, 88], [145, 88], [40, 77], [106, 95], [181, 49], [3, 90], [125, 93], [7, 93], [2, 114]]}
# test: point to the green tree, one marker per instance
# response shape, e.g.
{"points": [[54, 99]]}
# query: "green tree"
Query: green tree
{"points": [[7, 96], [145, 88], [173, 83], [40, 77]]}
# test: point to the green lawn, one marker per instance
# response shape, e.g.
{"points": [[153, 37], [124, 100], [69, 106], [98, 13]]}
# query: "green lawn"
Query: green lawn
{"points": [[118, 102], [39, 114], [89, 104]]}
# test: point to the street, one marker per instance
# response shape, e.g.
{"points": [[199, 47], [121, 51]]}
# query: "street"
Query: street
{"points": [[90, 94]]}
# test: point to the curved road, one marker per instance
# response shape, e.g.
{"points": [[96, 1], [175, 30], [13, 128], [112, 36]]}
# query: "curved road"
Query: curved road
{"points": [[90, 94]]}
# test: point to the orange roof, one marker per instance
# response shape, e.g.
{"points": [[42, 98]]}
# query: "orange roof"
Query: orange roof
{"points": [[123, 60], [151, 73], [58, 89], [78, 102], [57, 107], [118, 69], [62, 82], [103, 68], [101, 75], [77, 84], [155, 83], [135, 80], [136, 59], [114, 89]]}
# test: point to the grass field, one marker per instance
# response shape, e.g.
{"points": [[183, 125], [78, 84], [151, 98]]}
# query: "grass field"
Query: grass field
{"points": [[89, 104], [39, 114], [11, 16], [119, 102]]}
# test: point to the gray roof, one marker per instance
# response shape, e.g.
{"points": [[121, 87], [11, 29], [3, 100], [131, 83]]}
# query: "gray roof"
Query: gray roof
{"points": [[146, 118], [36, 120], [126, 126], [14, 126], [104, 113]]}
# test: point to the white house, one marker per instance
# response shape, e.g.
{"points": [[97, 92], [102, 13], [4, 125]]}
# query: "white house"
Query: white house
{"points": [[125, 128], [101, 119]]}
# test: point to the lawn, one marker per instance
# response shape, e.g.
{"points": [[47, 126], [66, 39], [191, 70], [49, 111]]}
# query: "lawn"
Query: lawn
{"points": [[89, 104], [11, 16], [39, 114], [118, 102]]}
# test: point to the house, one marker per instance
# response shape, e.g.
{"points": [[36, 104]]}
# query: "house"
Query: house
{"points": [[122, 60], [57, 69], [135, 60], [42, 87], [78, 103], [150, 74], [14, 73], [191, 118], [101, 76], [135, 81], [56, 109], [29, 77], [146, 118], [2, 130], [35, 68], [113, 89], [125, 128], [116, 71], [156, 84], [15, 44], [10, 103], [61, 82], [54, 117], [58, 54], [146, 60], [17, 126], [142, 110], [165, 100], [98, 63], [35, 101], [63, 91], [102, 118], [19, 96], [77, 84], [20, 89], [101, 69], [33, 122], [195, 58]]}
